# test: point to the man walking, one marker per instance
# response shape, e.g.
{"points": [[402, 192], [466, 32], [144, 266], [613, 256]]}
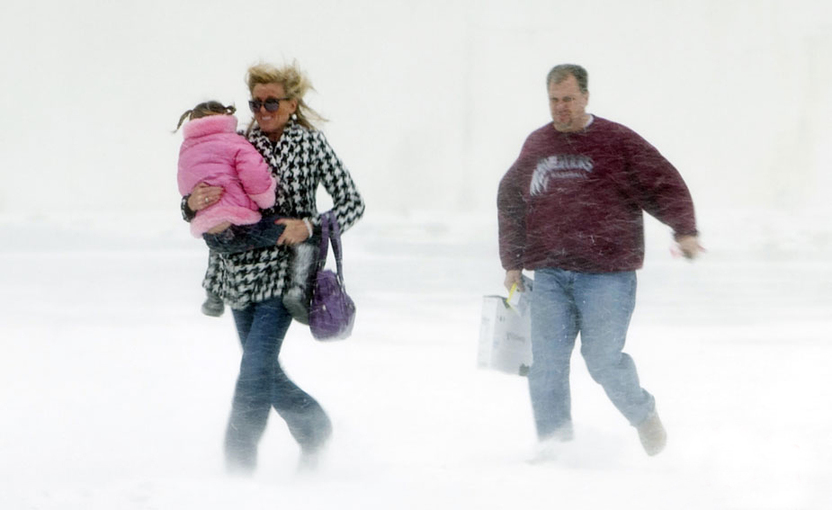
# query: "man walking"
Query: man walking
{"points": [[570, 209]]}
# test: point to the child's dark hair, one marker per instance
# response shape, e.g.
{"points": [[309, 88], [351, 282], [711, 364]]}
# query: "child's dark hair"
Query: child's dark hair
{"points": [[205, 109]]}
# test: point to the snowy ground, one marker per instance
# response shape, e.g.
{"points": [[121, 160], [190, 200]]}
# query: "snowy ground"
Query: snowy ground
{"points": [[114, 389]]}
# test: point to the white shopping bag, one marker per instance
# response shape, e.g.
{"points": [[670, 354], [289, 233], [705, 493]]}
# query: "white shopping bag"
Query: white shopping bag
{"points": [[505, 333]]}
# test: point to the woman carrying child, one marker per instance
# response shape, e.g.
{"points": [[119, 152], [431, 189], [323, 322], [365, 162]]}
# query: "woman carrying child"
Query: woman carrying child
{"points": [[254, 283]]}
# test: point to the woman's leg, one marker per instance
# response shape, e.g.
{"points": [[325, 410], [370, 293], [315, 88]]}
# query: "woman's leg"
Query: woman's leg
{"points": [[306, 419], [263, 383], [261, 328]]}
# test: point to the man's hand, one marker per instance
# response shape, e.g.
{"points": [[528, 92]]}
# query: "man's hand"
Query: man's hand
{"points": [[689, 246], [514, 276]]}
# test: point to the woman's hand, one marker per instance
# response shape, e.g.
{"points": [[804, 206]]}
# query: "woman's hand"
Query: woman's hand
{"points": [[295, 231], [203, 196]]}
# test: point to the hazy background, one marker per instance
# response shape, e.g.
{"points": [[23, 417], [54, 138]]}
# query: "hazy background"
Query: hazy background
{"points": [[114, 389], [429, 101]]}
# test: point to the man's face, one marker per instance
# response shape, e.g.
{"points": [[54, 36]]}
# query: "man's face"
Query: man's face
{"points": [[568, 105]]}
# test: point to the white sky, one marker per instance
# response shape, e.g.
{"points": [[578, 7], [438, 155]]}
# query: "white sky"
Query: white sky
{"points": [[428, 101]]}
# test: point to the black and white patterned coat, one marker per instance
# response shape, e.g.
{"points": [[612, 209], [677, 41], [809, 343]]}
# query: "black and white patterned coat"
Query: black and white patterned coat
{"points": [[300, 161]]}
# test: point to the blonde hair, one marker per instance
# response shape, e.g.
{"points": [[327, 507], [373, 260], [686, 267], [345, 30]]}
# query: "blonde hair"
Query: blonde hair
{"points": [[294, 82], [205, 109]]}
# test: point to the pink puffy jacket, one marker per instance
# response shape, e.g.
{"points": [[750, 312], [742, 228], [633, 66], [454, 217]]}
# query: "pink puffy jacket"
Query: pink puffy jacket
{"points": [[215, 154]]}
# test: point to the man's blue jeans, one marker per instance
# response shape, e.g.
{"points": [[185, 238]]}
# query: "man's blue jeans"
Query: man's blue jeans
{"points": [[599, 306], [263, 384]]}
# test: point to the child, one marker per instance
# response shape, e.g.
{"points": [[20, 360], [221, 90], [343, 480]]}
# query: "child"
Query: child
{"points": [[212, 152]]}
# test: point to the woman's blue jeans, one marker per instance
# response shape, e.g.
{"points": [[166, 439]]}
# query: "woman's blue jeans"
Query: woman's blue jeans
{"points": [[262, 384], [599, 306]]}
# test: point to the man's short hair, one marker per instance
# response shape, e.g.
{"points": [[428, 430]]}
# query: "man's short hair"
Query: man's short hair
{"points": [[564, 71]]}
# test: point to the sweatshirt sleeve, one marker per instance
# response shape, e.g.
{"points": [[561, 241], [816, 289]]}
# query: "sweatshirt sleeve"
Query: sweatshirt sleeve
{"points": [[658, 187], [511, 215], [255, 175]]}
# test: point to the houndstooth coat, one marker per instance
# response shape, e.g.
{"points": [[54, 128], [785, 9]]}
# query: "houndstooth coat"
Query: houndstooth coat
{"points": [[300, 161]]}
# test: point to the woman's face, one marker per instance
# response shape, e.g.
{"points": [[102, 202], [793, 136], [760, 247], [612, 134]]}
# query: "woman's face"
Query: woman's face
{"points": [[272, 123]]}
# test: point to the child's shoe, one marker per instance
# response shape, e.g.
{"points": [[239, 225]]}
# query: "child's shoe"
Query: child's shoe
{"points": [[213, 305]]}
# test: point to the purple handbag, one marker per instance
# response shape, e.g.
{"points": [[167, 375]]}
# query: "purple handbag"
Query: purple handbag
{"points": [[332, 311]]}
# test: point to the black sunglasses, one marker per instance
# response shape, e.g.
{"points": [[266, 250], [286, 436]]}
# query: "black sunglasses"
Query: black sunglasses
{"points": [[271, 104]]}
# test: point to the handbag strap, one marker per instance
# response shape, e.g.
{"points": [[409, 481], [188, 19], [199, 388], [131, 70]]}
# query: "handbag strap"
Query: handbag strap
{"points": [[331, 233], [324, 246]]}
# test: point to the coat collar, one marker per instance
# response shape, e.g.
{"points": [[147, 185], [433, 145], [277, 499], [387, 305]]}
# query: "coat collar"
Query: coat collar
{"points": [[210, 125], [292, 132]]}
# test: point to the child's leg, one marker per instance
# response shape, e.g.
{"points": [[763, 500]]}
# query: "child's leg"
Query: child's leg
{"points": [[213, 305], [240, 238]]}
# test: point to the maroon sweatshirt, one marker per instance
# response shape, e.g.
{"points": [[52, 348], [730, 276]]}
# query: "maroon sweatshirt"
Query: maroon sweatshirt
{"points": [[574, 200]]}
